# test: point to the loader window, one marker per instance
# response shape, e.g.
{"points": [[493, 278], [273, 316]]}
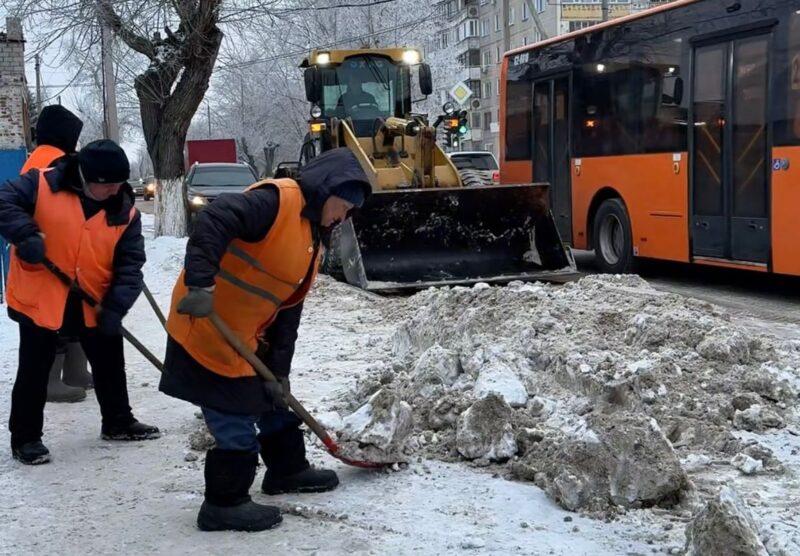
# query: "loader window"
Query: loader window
{"points": [[365, 88]]}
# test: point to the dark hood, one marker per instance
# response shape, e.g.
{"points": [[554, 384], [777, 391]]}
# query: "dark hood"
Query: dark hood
{"points": [[325, 173], [59, 128]]}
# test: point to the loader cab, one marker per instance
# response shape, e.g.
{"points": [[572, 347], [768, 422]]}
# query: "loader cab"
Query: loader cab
{"points": [[363, 85]]}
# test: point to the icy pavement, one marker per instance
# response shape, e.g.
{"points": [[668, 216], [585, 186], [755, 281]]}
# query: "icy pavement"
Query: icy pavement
{"points": [[100, 497]]}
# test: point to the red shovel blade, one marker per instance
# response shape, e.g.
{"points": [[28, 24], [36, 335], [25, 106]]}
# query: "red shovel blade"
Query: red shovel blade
{"points": [[335, 451]]}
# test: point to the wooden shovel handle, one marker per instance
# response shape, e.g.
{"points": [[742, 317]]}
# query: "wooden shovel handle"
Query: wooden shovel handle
{"points": [[243, 350]]}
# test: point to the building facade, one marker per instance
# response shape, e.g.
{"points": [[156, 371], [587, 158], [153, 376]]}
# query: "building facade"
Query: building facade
{"points": [[14, 126]]}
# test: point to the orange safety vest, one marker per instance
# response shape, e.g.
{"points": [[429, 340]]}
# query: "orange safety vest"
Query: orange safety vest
{"points": [[83, 249], [255, 282], [42, 156]]}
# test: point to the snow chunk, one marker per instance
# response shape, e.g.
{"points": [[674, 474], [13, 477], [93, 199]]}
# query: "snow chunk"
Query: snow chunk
{"points": [[746, 464], [724, 526], [757, 418], [436, 367], [384, 422], [725, 344], [496, 376], [484, 430]]}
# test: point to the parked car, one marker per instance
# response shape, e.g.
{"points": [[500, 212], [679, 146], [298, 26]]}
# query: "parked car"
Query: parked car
{"points": [[206, 181], [138, 187], [149, 189], [476, 167]]}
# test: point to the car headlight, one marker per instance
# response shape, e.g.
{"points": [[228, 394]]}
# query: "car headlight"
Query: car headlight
{"points": [[198, 201], [150, 188]]}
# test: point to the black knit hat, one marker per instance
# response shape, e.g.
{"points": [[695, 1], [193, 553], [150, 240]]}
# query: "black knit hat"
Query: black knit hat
{"points": [[58, 127], [104, 161]]}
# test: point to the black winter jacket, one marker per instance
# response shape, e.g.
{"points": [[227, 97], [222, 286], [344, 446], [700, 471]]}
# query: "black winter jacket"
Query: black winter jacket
{"points": [[249, 217], [17, 204]]}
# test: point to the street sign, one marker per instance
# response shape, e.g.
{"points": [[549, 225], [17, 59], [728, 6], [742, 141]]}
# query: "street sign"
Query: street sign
{"points": [[461, 93]]}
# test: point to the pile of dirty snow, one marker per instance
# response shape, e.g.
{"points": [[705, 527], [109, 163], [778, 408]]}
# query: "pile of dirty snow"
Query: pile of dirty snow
{"points": [[594, 390]]}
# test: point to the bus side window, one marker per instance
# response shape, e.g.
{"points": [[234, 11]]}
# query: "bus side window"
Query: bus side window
{"points": [[519, 116]]}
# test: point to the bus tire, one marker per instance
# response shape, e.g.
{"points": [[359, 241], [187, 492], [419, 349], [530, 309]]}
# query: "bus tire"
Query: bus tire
{"points": [[331, 263], [612, 238]]}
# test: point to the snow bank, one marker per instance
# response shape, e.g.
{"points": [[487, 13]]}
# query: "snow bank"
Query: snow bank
{"points": [[606, 370]]}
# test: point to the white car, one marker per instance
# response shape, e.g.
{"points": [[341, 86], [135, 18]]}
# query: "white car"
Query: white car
{"points": [[476, 167]]}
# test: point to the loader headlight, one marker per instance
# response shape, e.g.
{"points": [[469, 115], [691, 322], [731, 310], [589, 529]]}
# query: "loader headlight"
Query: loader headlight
{"points": [[316, 112], [449, 108], [411, 57], [323, 58], [198, 201]]}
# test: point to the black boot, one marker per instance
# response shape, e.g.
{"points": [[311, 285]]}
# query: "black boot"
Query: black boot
{"points": [[129, 430], [59, 392], [75, 367], [288, 470], [31, 453], [227, 505]]}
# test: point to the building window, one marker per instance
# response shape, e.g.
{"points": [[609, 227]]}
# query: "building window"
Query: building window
{"points": [[475, 87], [497, 54], [525, 13], [540, 5], [476, 120], [485, 27], [487, 58], [487, 89], [511, 16], [496, 22], [578, 25], [524, 41], [487, 121]]}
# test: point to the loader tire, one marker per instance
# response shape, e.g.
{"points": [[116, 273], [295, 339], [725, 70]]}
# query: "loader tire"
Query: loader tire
{"points": [[613, 239], [473, 178], [331, 260]]}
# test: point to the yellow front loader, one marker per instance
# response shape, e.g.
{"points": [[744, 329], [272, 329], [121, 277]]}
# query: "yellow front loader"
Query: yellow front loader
{"points": [[421, 226]]}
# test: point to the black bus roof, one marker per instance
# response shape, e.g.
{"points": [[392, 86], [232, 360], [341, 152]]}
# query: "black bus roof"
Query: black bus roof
{"points": [[600, 26]]}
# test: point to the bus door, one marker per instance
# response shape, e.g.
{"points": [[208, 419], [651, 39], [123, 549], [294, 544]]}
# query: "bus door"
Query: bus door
{"points": [[730, 150], [551, 144]]}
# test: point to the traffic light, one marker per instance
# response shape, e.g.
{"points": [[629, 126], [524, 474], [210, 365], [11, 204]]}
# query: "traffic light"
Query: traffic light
{"points": [[451, 138], [463, 123]]}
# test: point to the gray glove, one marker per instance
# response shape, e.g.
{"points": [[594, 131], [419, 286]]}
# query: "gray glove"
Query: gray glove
{"points": [[277, 392], [199, 302]]}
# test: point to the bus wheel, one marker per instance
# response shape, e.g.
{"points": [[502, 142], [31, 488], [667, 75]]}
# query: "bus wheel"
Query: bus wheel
{"points": [[613, 240]]}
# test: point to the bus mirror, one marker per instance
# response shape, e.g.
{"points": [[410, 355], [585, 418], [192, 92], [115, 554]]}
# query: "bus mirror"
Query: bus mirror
{"points": [[676, 98], [678, 94], [425, 79], [311, 77]]}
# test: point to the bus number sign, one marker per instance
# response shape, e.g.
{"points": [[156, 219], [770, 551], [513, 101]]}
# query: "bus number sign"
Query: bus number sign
{"points": [[520, 59]]}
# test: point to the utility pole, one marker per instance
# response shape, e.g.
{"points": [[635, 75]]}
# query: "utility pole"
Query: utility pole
{"points": [[208, 111], [605, 10], [109, 86], [537, 20], [38, 85]]}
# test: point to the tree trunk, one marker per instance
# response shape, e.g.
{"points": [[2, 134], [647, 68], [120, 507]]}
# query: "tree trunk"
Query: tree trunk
{"points": [[167, 109]]}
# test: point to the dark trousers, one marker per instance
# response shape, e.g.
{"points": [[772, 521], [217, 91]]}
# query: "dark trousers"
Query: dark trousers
{"points": [[236, 431], [37, 351]]}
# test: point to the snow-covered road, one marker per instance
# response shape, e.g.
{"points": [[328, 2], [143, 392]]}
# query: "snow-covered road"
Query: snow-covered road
{"points": [[98, 497]]}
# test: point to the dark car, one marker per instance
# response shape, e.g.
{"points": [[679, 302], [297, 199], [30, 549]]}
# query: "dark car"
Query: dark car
{"points": [[138, 186], [206, 181]]}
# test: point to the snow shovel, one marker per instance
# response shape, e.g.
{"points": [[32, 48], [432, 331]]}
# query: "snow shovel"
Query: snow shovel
{"points": [[91, 302], [333, 448]]}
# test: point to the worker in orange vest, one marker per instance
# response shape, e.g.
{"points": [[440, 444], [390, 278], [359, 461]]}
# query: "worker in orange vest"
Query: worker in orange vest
{"points": [[80, 215], [252, 258], [57, 133]]}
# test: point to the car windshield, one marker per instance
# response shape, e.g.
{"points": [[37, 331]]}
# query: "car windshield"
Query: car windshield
{"points": [[220, 176], [474, 162]]}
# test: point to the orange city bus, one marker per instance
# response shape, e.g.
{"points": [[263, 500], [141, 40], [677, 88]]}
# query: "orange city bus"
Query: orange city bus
{"points": [[670, 134]]}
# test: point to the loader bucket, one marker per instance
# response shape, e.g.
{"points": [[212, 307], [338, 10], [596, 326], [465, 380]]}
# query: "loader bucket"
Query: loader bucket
{"points": [[428, 237]]}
